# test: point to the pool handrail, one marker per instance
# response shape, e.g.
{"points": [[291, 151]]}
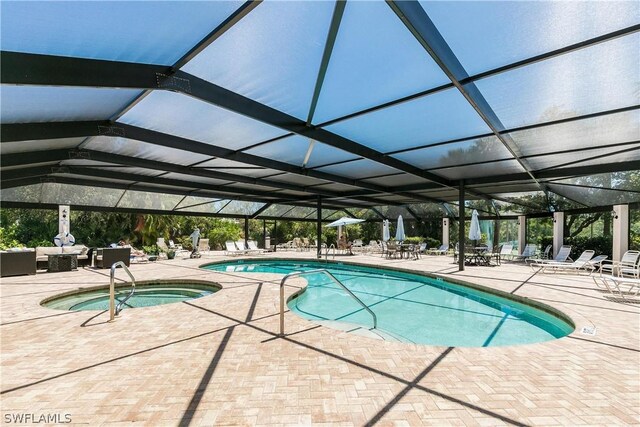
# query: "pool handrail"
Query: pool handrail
{"points": [[332, 277], [326, 253], [113, 309]]}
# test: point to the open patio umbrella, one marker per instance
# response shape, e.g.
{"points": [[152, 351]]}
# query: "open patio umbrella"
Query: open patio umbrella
{"points": [[400, 229], [344, 221], [474, 230], [385, 231]]}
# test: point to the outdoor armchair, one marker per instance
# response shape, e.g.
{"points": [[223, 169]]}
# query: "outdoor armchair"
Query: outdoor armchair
{"points": [[626, 267]]}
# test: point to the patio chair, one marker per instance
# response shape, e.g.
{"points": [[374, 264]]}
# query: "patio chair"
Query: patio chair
{"points": [[160, 243], [626, 267], [384, 248], [106, 257], [529, 251], [615, 284], [392, 250], [442, 250], [203, 245], [505, 251], [547, 252], [581, 264]]}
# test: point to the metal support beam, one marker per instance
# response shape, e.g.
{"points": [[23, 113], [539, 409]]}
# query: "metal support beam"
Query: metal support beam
{"points": [[461, 231], [246, 232], [319, 228], [426, 33]]}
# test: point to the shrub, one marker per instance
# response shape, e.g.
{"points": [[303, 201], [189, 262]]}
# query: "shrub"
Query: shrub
{"points": [[151, 250], [40, 242], [601, 244]]}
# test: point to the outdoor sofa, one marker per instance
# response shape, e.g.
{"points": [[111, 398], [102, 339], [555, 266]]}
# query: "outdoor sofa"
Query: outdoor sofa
{"points": [[83, 254], [17, 262]]}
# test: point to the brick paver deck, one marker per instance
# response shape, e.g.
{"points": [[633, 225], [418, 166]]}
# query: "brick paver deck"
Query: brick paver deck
{"points": [[217, 360]]}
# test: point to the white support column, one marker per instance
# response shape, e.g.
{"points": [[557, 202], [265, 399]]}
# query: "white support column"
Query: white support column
{"points": [[445, 231], [64, 219], [339, 234], [522, 233], [558, 232], [620, 231]]}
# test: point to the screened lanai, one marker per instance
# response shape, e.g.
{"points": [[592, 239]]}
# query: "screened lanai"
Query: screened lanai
{"points": [[265, 109]]}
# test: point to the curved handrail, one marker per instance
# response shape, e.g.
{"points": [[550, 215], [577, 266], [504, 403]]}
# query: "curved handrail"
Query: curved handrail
{"points": [[326, 253], [113, 309], [332, 277]]}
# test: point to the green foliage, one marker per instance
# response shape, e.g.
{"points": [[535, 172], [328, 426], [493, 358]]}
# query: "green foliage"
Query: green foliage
{"points": [[413, 240], [7, 238], [222, 230], [601, 244], [432, 243], [151, 250], [43, 243], [185, 242]]}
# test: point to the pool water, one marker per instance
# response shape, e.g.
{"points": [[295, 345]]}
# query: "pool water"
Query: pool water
{"points": [[144, 296], [411, 307]]}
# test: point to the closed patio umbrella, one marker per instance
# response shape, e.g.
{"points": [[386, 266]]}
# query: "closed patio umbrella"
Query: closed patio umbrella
{"points": [[400, 229], [385, 231], [474, 230]]}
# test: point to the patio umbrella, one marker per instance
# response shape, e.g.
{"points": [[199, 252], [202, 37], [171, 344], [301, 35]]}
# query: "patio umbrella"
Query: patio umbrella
{"points": [[474, 230], [385, 230], [400, 230], [344, 221]]}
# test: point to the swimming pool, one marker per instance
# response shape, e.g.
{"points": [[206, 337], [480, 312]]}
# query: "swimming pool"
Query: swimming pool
{"points": [[412, 307], [147, 294]]}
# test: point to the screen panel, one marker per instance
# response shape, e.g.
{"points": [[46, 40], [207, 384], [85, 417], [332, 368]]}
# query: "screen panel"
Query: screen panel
{"points": [[488, 34], [598, 78], [475, 150], [434, 118], [181, 115], [28, 104], [373, 42], [293, 150], [111, 30], [485, 169], [39, 145], [67, 194], [272, 55], [359, 169]]}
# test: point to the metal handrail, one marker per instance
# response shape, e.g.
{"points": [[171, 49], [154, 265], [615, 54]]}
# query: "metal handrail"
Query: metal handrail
{"points": [[332, 277], [326, 253], [113, 309]]}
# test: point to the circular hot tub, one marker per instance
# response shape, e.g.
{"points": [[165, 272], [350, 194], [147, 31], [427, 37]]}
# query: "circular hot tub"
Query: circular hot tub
{"points": [[147, 294]]}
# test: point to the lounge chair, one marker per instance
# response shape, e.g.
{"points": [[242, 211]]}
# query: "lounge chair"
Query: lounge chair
{"points": [[626, 267], [615, 284], [561, 257], [529, 251], [581, 264], [242, 247], [547, 252], [231, 249], [442, 250], [253, 247]]}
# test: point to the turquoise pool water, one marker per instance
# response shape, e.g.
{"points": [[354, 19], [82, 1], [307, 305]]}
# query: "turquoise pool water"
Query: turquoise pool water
{"points": [[411, 307], [144, 296]]}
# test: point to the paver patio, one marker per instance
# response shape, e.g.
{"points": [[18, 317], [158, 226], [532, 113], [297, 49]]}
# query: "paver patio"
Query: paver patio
{"points": [[217, 360]]}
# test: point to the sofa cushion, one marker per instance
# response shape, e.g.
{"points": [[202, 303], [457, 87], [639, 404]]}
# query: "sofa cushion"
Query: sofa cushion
{"points": [[44, 251], [75, 249]]}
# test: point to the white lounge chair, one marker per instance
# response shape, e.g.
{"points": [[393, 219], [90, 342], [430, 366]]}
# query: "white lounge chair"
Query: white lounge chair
{"points": [[203, 245], [231, 249], [615, 284], [561, 256], [242, 247], [626, 267], [529, 251], [253, 247], [581, 264], [442, 250]]}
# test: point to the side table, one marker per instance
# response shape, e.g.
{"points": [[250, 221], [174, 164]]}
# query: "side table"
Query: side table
{"points": [[62, 262]]}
